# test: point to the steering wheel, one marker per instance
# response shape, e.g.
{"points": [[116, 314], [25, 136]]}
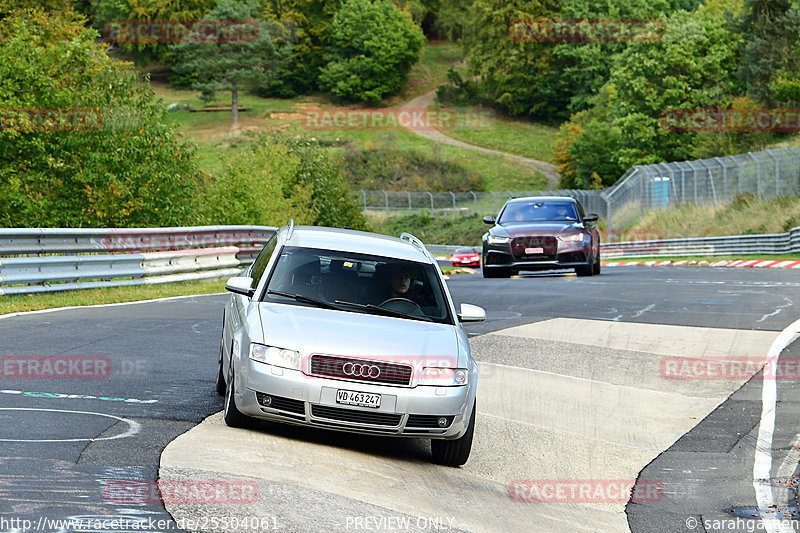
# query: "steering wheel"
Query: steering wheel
{"points": [[404, 305]]}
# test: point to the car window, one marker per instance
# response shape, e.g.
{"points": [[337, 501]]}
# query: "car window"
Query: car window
{"points": [[355, 282], [539, 212], [260, 264]]}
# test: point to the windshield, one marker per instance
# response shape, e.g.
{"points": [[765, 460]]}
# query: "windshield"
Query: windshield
{"points": [[358, 283], [539, 212]]}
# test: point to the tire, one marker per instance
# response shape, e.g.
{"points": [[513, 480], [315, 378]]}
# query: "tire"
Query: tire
{"points": [[596, 269], [584, 271], [220, 385], [454, 452], [232, 416]]}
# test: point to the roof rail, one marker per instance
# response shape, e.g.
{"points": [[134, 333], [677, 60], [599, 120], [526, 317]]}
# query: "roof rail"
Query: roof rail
{"points": [[418, 243], [291, 229]]}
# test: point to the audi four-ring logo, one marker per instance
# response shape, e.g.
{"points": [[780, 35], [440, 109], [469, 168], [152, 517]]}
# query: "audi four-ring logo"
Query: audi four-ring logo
{"points": [[359, 370]]}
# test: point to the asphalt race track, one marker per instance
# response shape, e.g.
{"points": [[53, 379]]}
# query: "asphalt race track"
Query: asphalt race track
{"points": [[588, 387]]}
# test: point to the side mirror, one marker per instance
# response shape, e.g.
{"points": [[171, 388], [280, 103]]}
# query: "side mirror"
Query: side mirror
{"points": [[240, 285], [489, 219], [591, 217], [471, 313]]}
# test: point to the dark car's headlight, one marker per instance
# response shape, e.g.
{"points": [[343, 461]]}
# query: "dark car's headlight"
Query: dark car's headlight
{"points": [[497, 240], [275, 356], [572, 237]]}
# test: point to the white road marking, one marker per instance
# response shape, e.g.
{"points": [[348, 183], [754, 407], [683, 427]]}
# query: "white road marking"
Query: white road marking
{"points": [[778, 309], [60, 396], [133, 426], [640, 312], [762, 466]]}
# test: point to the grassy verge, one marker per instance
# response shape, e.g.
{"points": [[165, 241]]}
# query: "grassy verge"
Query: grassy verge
{"points": [[431, 70], [16, 303], [520, 137], [745, 215], [460, 230]]}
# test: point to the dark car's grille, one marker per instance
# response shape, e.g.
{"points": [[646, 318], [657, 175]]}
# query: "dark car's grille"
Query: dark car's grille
{"points": [[357, 416], [284, 404], [427, 421], [548, 244], [380, 371]]}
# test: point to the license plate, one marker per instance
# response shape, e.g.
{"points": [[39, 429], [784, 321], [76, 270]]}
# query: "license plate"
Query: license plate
{"points": [[530, 251], [361, 399]]}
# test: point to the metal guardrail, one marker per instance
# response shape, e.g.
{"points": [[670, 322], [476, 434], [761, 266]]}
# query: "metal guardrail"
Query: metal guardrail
{"points": [[766, 244], [56, 259]]}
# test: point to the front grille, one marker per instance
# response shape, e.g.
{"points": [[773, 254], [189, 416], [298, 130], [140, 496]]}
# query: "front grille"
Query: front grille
{"points": [[283, 404], [548, 244], [427, 421], [333, 367], [353, 415]]}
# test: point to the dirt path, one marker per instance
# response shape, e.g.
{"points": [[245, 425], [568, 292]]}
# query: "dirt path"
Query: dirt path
{"points": [[423, 101]]}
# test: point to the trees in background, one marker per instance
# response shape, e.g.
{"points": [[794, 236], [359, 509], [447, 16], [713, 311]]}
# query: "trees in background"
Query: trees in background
{"points": [[372, 48], [241, 53], [83, 141]]}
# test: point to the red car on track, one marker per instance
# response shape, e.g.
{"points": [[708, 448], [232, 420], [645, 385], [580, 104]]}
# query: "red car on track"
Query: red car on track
{"points": [[466, 257]]}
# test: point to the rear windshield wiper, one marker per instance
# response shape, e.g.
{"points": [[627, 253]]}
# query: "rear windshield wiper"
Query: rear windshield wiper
{"points": [[304, 299], [385, 311]]}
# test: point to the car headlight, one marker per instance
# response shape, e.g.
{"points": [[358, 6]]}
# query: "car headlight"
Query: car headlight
{"points": [[572, 237], [275, 356], [443, 377], [497, 240]]}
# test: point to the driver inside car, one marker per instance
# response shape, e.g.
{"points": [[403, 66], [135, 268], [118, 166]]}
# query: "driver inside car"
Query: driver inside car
{"points": [[400, 283]]}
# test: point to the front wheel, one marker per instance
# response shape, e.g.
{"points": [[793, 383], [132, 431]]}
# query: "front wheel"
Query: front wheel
{"points": [[220, 385], [455, 452], [232, 416]]}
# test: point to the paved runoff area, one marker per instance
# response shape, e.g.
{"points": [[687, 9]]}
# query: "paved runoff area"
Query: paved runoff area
{"points": [[570, 411]]}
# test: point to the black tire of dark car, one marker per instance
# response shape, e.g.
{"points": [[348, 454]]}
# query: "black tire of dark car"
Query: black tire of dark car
{"points": [[596, 270], [455, 452], [232, 416]]}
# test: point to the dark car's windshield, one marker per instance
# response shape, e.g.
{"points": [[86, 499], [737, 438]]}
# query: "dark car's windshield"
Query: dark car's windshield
{"points": [[358, 283], [539, 212]]}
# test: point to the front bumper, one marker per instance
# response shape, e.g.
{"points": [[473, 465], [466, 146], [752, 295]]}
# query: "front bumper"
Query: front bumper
{"points": [[296, 398], [504, 259]]}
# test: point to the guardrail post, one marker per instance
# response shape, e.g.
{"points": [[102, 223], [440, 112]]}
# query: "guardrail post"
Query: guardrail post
{"points": [[429, 194], [386, 196], [364, 193], [409, 202], [454, 201], [474, 201]]}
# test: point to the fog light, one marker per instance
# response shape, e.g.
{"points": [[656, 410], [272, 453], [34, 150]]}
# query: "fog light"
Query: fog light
{"points": [[442, 422], [266, 401]]}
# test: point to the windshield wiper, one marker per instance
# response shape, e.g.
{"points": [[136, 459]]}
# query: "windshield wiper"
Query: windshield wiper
{"points": [[385, 311], [304, 299]]}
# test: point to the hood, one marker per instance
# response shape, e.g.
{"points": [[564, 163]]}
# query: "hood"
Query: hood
{"points": [[311, 330], [516, 229]]}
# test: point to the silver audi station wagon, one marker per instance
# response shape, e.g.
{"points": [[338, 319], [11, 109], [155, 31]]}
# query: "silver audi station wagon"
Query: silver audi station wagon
{"points": [[350, 331]]}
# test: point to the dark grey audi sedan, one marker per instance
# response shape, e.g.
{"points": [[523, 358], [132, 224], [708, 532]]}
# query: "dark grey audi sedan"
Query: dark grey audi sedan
{"points": [[541, 233]]}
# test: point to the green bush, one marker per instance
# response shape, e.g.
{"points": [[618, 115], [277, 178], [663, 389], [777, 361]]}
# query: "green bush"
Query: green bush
{"points": [[84, 141], [388, 168], [373, 47]]}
